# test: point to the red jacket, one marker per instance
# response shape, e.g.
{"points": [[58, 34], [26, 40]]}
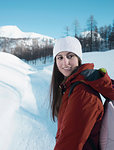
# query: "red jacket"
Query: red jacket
{"points": [[80, 115]]}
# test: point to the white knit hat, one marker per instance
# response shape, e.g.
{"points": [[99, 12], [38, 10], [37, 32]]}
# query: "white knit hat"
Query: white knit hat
{"points": [[70, 44]]}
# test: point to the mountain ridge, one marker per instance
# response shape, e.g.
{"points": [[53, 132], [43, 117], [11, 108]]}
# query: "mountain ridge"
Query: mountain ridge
{"points": [[12, 31]]}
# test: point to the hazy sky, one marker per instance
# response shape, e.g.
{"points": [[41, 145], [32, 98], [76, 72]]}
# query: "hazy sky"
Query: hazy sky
{"points": [[50, 17]]}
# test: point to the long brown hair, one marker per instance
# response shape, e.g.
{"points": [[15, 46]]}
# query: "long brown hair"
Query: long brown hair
{"points": [[55, 91], [57, 78]]}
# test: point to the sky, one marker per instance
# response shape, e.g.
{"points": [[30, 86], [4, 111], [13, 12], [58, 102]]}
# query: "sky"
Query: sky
{"points": [[51, 17]]}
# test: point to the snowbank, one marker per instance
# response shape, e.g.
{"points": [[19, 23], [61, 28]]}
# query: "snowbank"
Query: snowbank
{"points": [[24, 116]]}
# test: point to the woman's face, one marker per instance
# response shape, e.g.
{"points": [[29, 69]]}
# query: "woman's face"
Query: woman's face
{"points": [[66, 62]]}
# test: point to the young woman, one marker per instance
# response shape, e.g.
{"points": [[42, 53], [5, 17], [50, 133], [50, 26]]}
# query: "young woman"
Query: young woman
{"points": [[79, 114]]}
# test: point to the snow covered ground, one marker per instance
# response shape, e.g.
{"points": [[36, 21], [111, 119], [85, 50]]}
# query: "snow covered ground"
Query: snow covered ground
{"points": [[25, 122]]}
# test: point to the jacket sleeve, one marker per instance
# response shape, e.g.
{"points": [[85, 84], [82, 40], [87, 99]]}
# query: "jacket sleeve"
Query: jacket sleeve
{"points": [[104, 86], [100, 81], [80, 115]]}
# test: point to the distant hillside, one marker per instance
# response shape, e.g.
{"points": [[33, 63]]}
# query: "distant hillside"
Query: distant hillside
{"points": [[14, 41]]}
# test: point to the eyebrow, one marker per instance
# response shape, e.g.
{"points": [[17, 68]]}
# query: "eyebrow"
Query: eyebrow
{"points": [[66, 54]]}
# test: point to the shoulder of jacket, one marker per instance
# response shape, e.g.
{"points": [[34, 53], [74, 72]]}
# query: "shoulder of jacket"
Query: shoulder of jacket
{"points": [[93, 74]]}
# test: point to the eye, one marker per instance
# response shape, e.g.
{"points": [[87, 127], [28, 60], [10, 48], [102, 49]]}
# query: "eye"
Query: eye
{"points": [[59, 57], [70, 56]]}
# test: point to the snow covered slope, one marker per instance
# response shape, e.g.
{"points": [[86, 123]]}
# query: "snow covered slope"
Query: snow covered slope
{"points": [[15, 32], [12, 38], [101, 60], [24, 117]]}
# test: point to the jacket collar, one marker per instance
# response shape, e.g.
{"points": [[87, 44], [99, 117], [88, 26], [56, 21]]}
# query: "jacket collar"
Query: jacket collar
{"points": [[76, 76]]}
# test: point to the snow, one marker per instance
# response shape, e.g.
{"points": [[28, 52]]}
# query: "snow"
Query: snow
{"points": [[25, 120], [101, 60], [11, 31], [87, 34], [24, 108], [11, 38]]}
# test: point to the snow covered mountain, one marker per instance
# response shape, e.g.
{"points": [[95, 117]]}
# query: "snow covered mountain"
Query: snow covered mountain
{"points": [[15, 32], [11, 37], [95, 35]]}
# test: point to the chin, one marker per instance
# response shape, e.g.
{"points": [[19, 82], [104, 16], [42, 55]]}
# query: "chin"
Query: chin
{"points": [[67, 74]]}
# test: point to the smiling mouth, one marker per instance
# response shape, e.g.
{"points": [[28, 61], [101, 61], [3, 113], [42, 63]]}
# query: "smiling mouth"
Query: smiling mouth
{"points": [[69, 68]]}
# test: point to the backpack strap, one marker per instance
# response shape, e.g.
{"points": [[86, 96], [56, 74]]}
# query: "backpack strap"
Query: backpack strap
{"points": [[73, 86], [107, 100], [92, 144]]}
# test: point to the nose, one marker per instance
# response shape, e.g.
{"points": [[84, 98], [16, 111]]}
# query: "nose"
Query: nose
{"points": [[65, 61]]}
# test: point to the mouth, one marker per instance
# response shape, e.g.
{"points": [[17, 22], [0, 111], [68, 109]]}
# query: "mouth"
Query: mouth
{"points": [[67, 68]]}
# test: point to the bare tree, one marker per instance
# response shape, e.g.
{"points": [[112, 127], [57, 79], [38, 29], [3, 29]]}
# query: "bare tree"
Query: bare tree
{"points": [[91, 23], [111, 37], [76, 28], [67, 29], [96, 39]]}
